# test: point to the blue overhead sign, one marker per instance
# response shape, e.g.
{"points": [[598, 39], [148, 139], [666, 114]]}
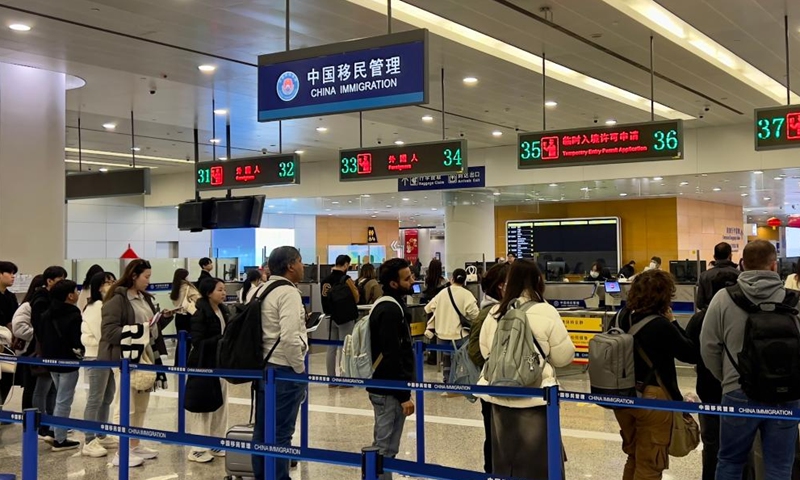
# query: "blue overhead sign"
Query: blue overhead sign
{"points": [[367, 74], [473, 177]]}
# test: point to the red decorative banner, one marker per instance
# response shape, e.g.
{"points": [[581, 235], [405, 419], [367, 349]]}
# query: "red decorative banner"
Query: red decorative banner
{"points": [[411, 251]]}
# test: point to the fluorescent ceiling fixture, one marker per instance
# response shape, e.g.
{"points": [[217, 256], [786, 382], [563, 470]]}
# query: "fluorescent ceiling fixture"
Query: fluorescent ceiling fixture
{"points": [[222, 158], [109, 126], [683, 184], [206, 68], [778, 178], [214, 140], [497, 133], [716, 189], [470, 80], [322, 129], [220, 111], [471, 38], [125, 155], [585, 189], [399, 142], [758, 172], [623, 194], [299, 152], [103, 170], [497, 194], [427, 118], [553, 184], [611, 121], [20, 27], [91, 162], [744, 194], [135, 149], [658, 179], [767, 199], [405, 199], [550, 103], [673, 28]]}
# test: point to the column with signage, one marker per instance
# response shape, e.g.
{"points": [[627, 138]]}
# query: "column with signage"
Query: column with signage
{"points": [[32, 126], [468, 231]]}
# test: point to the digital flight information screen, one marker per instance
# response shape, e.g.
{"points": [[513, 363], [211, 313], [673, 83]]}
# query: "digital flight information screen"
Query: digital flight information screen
{"points": [[777, 127], [519, 239], [263, 171], [433, 158], [600, 145]]}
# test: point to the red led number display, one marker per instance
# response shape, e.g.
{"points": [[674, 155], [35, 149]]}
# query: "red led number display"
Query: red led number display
{"points": [[248, 172], [777, 127], [403, 161]]}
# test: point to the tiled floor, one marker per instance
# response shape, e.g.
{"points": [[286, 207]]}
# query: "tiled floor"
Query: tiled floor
{"points": [[342, 419]]}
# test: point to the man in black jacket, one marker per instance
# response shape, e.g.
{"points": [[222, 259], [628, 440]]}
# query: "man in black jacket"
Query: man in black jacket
{"points": [[8, 305], [59, 332], [339, 301], [206, 265], [723, 268], [392, 351]]}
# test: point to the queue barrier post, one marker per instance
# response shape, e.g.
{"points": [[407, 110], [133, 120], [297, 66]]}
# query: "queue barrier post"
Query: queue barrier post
{"points": [[30, 444], [304, 412], [124, 417], [419, 365], [270, 395], [371, 463], [182, 348], [554, 449]]}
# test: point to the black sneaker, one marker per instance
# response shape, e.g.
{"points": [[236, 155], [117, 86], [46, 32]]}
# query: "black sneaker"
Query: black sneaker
{"points": [[47, 435], [65, 445]]}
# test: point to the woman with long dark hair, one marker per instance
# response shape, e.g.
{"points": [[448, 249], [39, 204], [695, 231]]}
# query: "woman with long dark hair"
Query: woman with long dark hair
{"points": [[250, 286], [129, 309], [184, 295], [519, 425], [102, 381], [206, 396], [23, 333], [434, 280], [368, 287], [83, 298]]}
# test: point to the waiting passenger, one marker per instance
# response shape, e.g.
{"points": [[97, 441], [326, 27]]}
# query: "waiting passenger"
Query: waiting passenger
{"points": [[519, 425], [434, 280], [369, 289], [250, 286], [340, 302], [283, 320], [128, 312], [493, 284], [22, 329], [510, 258], [723, 339], [8, 306], [59, 330], [598, 273], [86, 287], [391, 343], [628, 270], [655, 264], [793, 280], [646, 433], [206, 265], [184, 295], [454, 309], [206, 397], [102, 381], [723, 269]]}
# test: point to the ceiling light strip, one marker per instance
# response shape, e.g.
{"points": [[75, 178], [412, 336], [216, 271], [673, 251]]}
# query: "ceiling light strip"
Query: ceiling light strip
{"points": [[127, 155], [675, 29], [105, 164], [469, 37]]}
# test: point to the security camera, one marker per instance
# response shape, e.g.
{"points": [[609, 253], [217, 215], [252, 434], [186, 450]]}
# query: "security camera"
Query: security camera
{"points": [[595, 120], [380, 141], [461, 134], [702, 116], [707, 108], [153, 87], [264, 151]]}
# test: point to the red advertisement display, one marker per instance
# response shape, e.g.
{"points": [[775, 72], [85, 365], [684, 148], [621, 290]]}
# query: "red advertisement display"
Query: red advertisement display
{"points": [[411, 250]]}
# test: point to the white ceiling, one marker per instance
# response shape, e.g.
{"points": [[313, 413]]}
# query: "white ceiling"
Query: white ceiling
{"points": [[122, 47]]}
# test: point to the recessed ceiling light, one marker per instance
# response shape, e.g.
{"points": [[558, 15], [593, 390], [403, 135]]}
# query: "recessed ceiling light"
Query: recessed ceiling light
{"points": [[742, 186], [373, 216], [767, 199], [399, 142], [388, 206], [744, 194], [658, 179], [214, 140], [553, 184], [223, 158], [611, 121], [550, 103], [623, 194], [103, 170], [135, 149], [433, 209], [427, 118], [322, 129], [334, 203], [299, 152], [470, 80], [327, 209], [716, 189], [683, 184], [220, 111], [270, 206], [497, 194], [109, 126], [19, 27], [405, 199], [497, 133], [778, 178], [366, 195], [758, 172], [206, 68], [585, 189]]}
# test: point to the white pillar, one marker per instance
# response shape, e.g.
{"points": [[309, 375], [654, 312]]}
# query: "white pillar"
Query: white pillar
{"points": [[468, 230], [32, 131]]}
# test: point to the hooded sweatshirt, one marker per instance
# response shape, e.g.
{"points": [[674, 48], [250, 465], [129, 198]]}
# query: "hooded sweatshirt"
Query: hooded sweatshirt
{"points": [[725, 322]]}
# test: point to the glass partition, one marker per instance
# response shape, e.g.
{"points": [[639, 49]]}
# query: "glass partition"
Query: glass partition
{"points": [[82, 266]]}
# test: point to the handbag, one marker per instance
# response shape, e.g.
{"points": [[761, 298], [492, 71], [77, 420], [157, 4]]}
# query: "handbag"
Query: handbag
{"points": [[5, 351], [465, 323], [685, 436], [203, 394], [143, 381]]}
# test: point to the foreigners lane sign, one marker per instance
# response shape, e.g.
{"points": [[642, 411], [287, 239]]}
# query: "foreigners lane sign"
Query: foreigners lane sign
{"points": [[432, 158], [777, 127], [366, 74], [473, 177]]}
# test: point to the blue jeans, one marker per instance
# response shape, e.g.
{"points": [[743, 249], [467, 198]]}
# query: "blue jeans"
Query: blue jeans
{"points": [[738, 433], [447, 357], [65, 392], [44, 397], [101, 394], [288, 397], [389, 422]]}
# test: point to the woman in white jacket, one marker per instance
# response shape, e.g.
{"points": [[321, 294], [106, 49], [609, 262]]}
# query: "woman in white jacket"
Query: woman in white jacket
{"points": [[102, 382], [519, 425]]}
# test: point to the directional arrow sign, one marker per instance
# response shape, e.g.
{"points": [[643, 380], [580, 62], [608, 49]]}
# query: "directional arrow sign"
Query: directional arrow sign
{"points": [[395, 245]]}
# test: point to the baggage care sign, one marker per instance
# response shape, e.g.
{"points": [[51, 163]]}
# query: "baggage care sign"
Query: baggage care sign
{"points": [[367, 74]]}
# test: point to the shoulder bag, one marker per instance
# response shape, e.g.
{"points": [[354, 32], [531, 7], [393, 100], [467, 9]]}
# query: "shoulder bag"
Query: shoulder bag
{"points": [[465, 323]]}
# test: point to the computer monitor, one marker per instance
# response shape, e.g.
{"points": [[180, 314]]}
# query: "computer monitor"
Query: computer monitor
{"points": [[555, 271], [686, 270]]}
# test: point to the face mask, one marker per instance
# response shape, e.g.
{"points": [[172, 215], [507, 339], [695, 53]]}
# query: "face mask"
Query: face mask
{"points": [[653, 265], [594, 274]]}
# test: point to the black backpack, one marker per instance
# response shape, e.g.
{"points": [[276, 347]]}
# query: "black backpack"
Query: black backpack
{"points": [[769, 363], [340, 303], [241, 346]]}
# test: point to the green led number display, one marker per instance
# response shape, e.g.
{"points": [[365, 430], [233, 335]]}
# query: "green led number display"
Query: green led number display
{"points": [[530, 150], [665, 140], [770, 128], [452, 158], [349, 165], [204, 176], [286, 169]]}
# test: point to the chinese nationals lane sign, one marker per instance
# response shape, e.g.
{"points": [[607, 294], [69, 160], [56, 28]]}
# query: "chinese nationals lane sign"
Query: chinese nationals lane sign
{"points": [[367, 74], [598, 145]]}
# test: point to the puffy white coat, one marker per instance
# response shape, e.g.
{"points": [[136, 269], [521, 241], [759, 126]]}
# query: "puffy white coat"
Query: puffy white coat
{"points": [[90, 328], [550, 332]]}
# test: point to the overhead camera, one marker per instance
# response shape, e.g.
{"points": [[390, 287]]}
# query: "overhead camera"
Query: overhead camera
{"points": [[461, 134], [264, 151], [707, 108], [153, 87], [595, 120], [379, 141]]}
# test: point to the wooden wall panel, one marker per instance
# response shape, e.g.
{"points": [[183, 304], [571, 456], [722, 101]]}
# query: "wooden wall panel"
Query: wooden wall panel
{"points": [[348, 231], [702, 225]]}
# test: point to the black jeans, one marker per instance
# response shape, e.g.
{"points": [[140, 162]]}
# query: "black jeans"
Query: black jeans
{"points": [[486, 411]]}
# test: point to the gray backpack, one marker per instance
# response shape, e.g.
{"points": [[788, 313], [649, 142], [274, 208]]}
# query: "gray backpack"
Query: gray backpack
{"points": [[611, 359], [517, 359]]}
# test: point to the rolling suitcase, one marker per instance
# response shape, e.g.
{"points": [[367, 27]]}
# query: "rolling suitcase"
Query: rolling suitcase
{"points": [[239, 465]]}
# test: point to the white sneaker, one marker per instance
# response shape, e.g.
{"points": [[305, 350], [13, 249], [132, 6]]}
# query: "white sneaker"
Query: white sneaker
{"points": [[217, 452], [133, 460], [94, 449], [200, 456], [108, 442], [144, 452]]}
